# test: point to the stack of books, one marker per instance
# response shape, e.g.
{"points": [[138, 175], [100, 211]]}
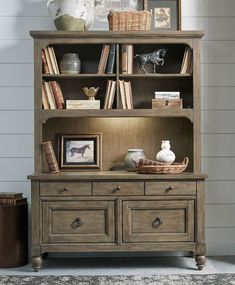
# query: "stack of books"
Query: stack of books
{"points": [[127, 59], [107, 59], [126, 94], [167, 99], [187, 62], [52, 96], [12, 198], [82, 104], [49, 61], [109, 95]]}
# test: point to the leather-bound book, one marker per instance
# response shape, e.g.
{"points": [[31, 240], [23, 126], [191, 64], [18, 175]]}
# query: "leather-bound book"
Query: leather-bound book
{"points": [[50, 157]]}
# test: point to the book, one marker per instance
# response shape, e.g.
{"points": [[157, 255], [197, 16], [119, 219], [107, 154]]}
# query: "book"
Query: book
{"points": [[130, 57], [107, 93], [10, 195], [45, 68], [45, 103], [103, 59], [128, 93], [48, 60], [131, 95], [57, 71], [124, 59], [186, 61], [50, 157], [53, 60], [167, 94], [111, 60], [49, 94], [112, 94], [12, 201], [82, 104], [123, 95], [56, 93]]}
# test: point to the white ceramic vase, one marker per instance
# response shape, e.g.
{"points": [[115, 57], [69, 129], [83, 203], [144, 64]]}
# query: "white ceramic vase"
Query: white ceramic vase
{"points": [[71, 15], [165, 154]]}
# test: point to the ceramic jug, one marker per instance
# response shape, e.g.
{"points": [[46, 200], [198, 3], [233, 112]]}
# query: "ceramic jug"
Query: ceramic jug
{"points": [[133, 156], [166, 155], [71, 15]]}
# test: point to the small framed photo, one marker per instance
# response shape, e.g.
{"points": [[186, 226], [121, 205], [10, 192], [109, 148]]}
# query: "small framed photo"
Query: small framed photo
{"points": [[80, 151], [166, 14]]}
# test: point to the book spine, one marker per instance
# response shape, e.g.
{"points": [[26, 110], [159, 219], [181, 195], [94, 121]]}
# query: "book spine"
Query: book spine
{"points": [[56, 94], [12, 201], [111, 60], [124, 59], [45, 68], [10, 195], [50, 157], [49, 64], [107, 94]]}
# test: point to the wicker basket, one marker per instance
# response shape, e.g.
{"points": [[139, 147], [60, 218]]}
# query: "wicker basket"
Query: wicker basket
{"points": [[130, 20], [156, 167]]}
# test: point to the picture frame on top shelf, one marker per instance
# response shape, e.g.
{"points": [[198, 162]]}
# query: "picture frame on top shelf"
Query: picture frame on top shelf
{"points": [[80, 151], [103, 7], [166, 14]]}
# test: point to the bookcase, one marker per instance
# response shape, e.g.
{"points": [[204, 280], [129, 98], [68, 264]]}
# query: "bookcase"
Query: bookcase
{"points": [[112, 210]]}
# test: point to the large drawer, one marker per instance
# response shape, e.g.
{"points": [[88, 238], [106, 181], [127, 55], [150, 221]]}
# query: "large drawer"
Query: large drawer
{"points": [[170, 188], [158, 221], [78, 221], [65, 188], [118, 188]]}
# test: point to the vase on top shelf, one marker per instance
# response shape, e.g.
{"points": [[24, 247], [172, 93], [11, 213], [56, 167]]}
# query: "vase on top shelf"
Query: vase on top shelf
{"points": [[165, 154]]}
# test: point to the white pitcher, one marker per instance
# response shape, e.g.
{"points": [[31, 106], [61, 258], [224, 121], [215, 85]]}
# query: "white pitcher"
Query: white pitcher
{"points": [[71, 15]]}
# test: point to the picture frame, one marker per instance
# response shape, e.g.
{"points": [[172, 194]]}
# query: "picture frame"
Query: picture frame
{"points": [[102, 8], [166, 15], [80, 151]]}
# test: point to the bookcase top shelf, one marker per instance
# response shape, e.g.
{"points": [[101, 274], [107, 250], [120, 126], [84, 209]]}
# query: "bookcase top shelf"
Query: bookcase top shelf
{"points": [[115, 113], [118, 35]]}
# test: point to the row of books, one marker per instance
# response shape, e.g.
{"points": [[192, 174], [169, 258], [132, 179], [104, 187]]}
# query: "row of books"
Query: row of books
{"points": [[52, 96], [187, 62], [107, 59], [127, 59], [49, 61], [12, 198]]}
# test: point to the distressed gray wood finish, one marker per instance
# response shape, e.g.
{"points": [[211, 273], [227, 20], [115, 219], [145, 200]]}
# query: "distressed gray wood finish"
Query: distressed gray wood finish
{"points": [[113, 210]]}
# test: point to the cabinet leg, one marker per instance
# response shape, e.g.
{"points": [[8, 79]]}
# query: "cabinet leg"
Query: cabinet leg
{"points": [[36, 263], [200, 261], [45, 255]]}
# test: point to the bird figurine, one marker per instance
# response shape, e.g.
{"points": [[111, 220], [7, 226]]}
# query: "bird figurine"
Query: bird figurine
{"points": [[90, 92]]}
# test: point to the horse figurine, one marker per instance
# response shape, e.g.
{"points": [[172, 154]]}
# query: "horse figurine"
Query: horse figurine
{"points": [[79, 150], [155, 58]]}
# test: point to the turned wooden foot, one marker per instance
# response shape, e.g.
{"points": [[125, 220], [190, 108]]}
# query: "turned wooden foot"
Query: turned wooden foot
{"points": [[200, 261], [36, 263]]}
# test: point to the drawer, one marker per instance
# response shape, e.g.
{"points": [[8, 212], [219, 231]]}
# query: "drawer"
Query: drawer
{"points": [[78, 221], [170, 188], [118, 188], [158, 221], [65, 188]]}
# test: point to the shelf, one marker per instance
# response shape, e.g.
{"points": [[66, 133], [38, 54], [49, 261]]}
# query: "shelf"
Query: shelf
{"points": [[48, 114], [74, 76], [155, 75]]}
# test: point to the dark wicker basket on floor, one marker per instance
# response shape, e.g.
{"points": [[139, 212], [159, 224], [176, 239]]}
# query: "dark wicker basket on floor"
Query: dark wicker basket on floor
{"points": [[130, 20], [155, 167]]}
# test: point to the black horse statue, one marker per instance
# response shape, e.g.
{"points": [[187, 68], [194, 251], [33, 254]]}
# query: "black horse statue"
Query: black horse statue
{"points": [[155, 58]]}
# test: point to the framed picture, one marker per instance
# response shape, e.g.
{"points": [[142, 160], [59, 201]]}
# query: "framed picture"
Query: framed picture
{"points": [[166, 14], [102, 8], [80, 151]]}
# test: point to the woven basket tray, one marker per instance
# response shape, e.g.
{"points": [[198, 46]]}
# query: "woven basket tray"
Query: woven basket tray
{"points": [[155, 167], [130, 20]]}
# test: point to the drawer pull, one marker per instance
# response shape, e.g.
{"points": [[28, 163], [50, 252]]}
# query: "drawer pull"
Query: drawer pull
{"points": [[169, 188], [76, 223], [118, 188], [157, 222], [66, 188]]}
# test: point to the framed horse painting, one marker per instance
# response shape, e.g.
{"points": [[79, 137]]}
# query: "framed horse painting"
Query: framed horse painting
{"points": [[80, 151], [166, 14]]}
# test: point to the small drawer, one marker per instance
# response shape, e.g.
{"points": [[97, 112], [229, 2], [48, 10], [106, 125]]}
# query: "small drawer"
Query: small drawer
{"points": [[65, 188], [170, 188], [118, 188]]}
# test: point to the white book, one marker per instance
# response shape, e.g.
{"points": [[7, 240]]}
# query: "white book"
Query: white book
{"points": [[167, 95]]}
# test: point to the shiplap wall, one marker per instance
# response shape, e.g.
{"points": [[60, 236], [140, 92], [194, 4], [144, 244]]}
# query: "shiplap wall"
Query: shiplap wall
{"points": [[216, 18]]}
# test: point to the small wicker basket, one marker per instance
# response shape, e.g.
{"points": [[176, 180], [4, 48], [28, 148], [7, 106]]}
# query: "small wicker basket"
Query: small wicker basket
{"points": [[130, 20], [156, 167]]}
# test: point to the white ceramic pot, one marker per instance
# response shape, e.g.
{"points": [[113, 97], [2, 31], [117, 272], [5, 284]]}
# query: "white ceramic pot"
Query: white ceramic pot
{"points": [[166, 155], [71, 15]]}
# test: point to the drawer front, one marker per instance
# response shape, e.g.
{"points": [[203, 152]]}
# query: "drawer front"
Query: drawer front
{"points": [[78, 221], [170, 188], [158, 221], [65, 188], [118, 188]]}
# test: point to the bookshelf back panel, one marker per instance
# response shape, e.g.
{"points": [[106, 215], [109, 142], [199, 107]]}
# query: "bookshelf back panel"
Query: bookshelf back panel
{"points": [[173, 58], [120, 134]]}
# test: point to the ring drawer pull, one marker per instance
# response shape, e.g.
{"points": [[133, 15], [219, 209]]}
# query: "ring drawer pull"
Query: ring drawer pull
{"points": [[76, 223], [157, 222]]}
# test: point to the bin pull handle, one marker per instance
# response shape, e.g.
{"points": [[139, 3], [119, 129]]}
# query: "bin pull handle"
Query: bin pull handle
{"points": [[76, 223]]}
